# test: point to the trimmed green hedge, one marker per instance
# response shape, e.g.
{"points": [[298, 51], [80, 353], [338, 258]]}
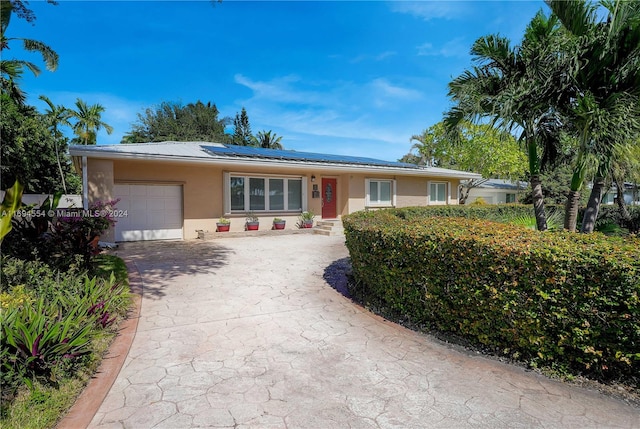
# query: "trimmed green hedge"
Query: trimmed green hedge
{"points": [[608, 214], [564, 300], [467, 211]]}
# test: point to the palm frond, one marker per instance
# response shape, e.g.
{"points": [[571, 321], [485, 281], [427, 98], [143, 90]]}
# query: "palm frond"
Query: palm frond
{"points": [[14, 68], [49, 56], [14, 92], [493, 50], [578, 16]]}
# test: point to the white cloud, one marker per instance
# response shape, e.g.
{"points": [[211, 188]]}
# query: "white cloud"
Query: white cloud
{"points": [[428, 10], [384, 88], [426, 49], [384, 55], [453, 48], [340, 117], [288, 89], [378, 57]]}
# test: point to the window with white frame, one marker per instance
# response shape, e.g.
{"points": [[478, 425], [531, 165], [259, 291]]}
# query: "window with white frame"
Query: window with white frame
{"points": [[437, 192], [511, 198], [380, 192], [263, 193]]}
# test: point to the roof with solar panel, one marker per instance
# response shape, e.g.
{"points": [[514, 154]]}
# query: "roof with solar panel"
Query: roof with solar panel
{"points": [[232, 151], [206, 152]]}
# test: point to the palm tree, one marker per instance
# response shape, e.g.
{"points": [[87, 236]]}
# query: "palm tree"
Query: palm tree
{"points": [[625, 167], [425, 146], [606, 107], [269, 141], [57, 115], [88, 122], [516, 88], [12, 69]]}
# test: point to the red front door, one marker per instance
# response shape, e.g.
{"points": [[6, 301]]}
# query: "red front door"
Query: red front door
{"points": [[329, 198]]}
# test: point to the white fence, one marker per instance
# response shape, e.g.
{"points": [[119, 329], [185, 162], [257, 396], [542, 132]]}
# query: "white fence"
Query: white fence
{"points": [[66, 201]]}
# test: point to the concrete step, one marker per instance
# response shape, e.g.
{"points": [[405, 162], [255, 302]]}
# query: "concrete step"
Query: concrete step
{"points": [[329, 227]]}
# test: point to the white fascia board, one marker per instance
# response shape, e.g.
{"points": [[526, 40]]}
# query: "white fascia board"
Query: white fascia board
{"points": [[284, 164]]}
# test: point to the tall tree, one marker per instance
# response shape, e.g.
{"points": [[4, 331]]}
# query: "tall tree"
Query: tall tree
{"points": [[57, 116], [516, 88], [11, 70], [174, 122], [88, 121], [268, 140], [242, 130], [28, 151], [424, 146], [21, 9], [480, 148], [606, 107]]}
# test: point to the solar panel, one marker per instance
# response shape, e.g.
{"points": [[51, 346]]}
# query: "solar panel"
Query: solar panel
{"points": [[291, 155]]}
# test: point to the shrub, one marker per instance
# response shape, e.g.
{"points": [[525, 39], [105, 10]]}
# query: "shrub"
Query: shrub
{"points": [[610, 220], [49, 319], [608, 214], [479, 202], [40, 336], [491, 212], [39, 278], [553, 299], [57, 240]]}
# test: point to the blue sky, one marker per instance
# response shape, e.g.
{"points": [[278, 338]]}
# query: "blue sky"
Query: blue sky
{"points": [[352, 78]]}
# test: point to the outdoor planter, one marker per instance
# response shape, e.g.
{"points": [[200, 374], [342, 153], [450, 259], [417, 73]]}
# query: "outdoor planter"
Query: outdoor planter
{"points": [[279, 224], [252, 222], [306, 219], [223, 227], [223, 224], [252, 226]]}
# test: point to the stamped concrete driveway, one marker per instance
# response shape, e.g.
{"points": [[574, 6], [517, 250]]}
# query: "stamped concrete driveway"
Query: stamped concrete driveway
{"points": [[247, 333]]}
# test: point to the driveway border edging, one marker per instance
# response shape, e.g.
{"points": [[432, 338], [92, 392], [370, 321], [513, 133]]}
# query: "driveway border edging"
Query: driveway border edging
{"points": [[88, 403]]}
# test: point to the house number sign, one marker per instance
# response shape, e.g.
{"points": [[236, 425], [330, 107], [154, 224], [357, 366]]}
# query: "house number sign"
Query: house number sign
{"points": [[328, 193]]}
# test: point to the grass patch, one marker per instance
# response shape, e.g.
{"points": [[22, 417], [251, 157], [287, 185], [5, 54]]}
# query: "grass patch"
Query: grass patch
{"points": [[104, 264], [44, 405], [46, 402]]}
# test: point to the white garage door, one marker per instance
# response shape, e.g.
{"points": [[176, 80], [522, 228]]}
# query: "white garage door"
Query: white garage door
{"points": [[154, 212]]}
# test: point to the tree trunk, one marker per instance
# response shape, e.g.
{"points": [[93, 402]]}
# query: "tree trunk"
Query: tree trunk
{"points": [[538, 202], [593, 206], [571, 211], [625, 217], [64, 185], [464, 195], [573, 199]]}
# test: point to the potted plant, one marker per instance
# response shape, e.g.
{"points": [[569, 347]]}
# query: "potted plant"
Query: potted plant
{"points": [[223, 224], [306, 219], [252, 222], [279, 223]]}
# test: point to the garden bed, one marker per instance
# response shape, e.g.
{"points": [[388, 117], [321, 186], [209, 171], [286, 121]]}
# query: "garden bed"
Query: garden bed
{"points": [[38, 388]]}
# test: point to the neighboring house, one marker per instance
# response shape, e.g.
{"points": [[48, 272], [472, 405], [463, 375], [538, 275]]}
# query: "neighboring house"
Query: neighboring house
{"points": [[497, 191], [631, 194], [171, 190]]}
